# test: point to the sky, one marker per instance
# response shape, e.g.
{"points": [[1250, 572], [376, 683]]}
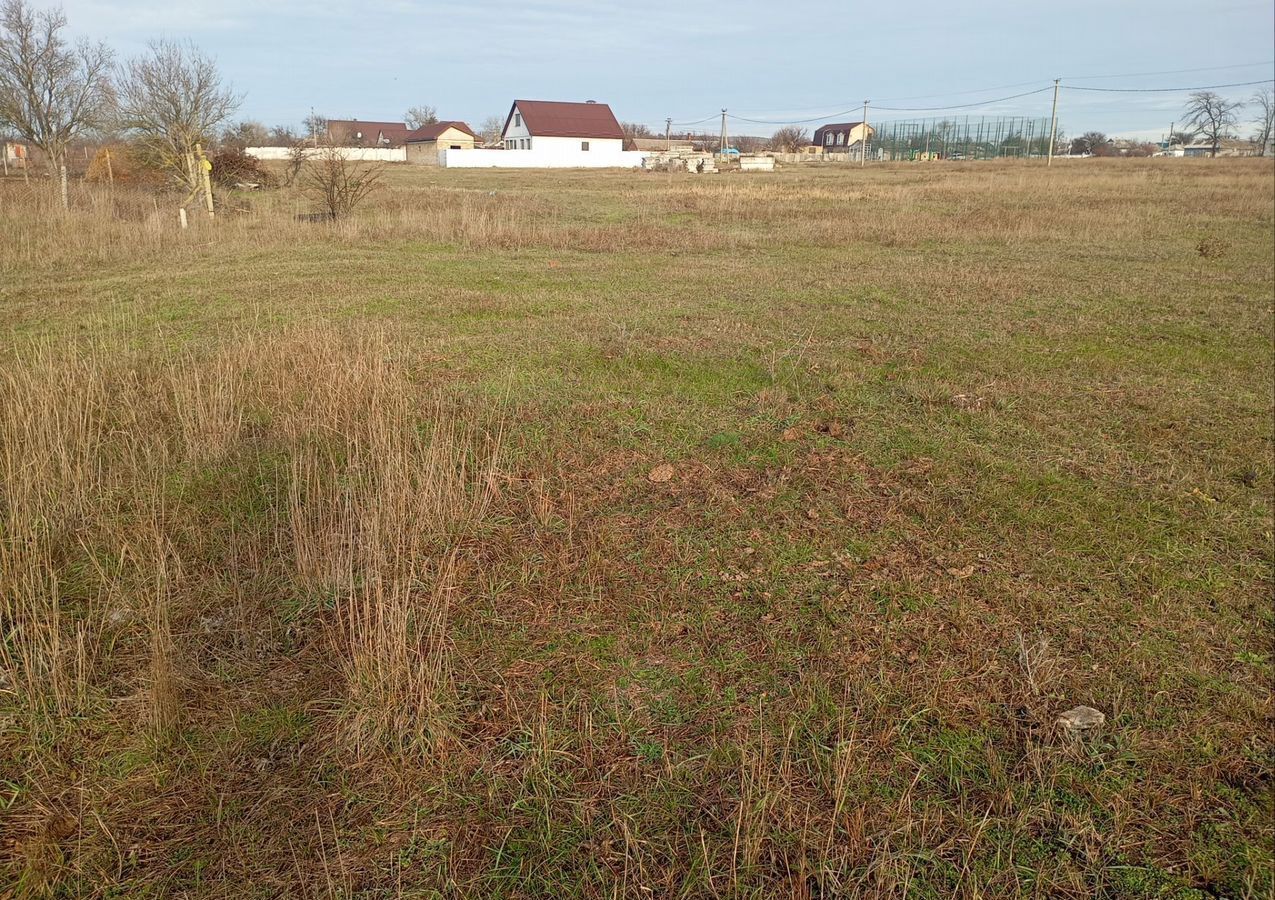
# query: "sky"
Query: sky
{"points": [[687, 59]]}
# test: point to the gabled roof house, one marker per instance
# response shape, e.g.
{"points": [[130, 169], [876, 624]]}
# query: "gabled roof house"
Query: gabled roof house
{"points": [[358, 133], [838, 136], [553, 124], [423, 144]]}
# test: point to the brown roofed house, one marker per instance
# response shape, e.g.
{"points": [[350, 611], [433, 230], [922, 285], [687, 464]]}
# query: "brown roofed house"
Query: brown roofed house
{"points": [[551, 124], [841, 136], [358, 133], [423, 144]]}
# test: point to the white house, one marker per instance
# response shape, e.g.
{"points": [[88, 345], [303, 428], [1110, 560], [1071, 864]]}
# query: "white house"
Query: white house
{"points": [[555, 126], [543, 134]]}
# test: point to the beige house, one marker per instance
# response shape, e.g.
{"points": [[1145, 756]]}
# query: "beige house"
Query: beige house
{"points": [[423, 144], [839, 137]]}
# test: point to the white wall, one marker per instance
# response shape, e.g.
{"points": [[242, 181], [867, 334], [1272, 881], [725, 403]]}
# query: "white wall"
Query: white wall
{"points": [[552, 157], [572, 144], [356, 154]]}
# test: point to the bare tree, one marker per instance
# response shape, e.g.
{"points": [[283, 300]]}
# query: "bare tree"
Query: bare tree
{"points": [[245, 134], [316, 128], [282, 136], [173, 98], [1181, 138], [790, 139], [491, 129], [50, 92], [338, 184], [420, 115], [1213, 116], [296, 162], [1264, 100], [1090, 142]]}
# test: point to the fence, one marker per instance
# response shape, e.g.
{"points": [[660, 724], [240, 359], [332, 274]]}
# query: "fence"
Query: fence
{"points": [[968, 137], [555, 158], [354, 154]]}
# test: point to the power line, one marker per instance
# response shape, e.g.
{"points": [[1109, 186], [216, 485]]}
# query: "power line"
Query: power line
{"points": [[845, 112], [697, 121], [983, 90], [889, 109], [1174, 90], [961, 105], [1168, 71]]}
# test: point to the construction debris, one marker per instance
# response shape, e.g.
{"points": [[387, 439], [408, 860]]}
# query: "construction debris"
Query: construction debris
{"points": [[696, 162], [1077, 721]]}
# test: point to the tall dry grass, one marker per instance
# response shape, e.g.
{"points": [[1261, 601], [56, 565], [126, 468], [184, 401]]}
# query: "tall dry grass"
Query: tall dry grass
{"points": [[895, 205], [385, 480]]}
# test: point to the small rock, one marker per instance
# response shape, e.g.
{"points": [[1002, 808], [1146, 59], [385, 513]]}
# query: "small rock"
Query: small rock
{"points": [[1081, 719], [661, 474], [791, 434]]}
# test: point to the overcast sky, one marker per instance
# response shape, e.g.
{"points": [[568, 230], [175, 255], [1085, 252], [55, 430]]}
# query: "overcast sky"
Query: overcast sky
{"points": [[762, 59]]}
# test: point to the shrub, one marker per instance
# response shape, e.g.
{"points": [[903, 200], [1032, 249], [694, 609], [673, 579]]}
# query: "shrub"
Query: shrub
{"points": [[232, 167]]}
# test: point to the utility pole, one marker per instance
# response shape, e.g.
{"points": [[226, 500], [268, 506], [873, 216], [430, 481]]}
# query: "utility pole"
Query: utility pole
{"points": [[863, 142], [721, 151], [1053, 125], [668, 134]]}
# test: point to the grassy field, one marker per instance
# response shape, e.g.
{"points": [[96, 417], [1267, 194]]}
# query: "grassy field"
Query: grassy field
{"points": [[622, 535]]}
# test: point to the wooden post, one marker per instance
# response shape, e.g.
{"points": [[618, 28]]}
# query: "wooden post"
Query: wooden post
{"points": [[110, 173], [181, 216], [205, 168]]}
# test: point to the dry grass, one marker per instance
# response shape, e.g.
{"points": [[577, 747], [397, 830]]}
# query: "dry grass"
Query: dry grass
{"points": [[330, 564]]}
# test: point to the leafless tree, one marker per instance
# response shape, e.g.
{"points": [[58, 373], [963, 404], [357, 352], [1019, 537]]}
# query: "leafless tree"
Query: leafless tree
{"points": [[296, 161], [338, 184], [245, 134], [420, 115], [172, 98], [1213, 116], [282, 136], [1264, 100], [790, 139], [1094, 142], [491, 129], [316, 128], [50, 92]]}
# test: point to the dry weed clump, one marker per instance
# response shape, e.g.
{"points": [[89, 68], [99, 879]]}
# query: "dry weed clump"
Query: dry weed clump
{"points": [[385, 480]]}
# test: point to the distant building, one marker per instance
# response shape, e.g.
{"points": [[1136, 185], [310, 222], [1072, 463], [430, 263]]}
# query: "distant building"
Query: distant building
{"points": [[424, 143], [840, 136], [15, 154], [357, 133], [660, 144], [556, 126]]}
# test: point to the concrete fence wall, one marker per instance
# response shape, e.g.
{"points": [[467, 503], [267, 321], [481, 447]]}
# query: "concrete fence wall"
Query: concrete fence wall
{"points": [[549, 158], [355, 154]]}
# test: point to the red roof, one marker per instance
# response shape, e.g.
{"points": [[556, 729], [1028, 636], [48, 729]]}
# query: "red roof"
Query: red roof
{"points": [[431, 132], [551, 118], [341, 130]]}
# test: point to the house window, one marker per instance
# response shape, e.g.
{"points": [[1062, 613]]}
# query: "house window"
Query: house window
{"points": [[517, 120], [841, 137], [828, 139], [584, 145]]}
